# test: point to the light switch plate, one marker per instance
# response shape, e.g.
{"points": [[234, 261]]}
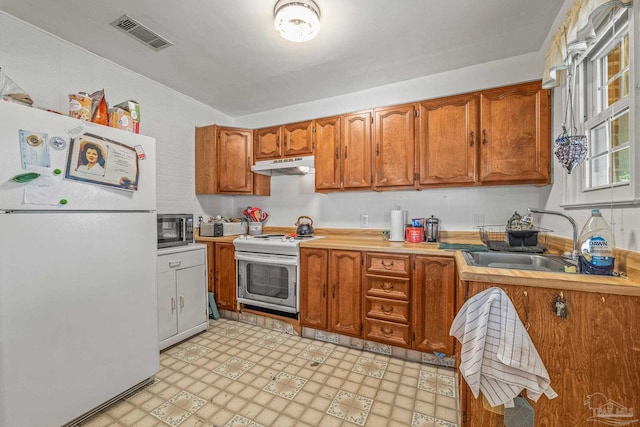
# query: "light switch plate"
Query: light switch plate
{"points": [[364, 220]]}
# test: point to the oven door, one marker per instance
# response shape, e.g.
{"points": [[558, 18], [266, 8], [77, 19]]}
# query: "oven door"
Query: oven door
{"points": [[268, 281]]}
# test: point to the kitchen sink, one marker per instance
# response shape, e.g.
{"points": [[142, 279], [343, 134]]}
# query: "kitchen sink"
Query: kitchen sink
{"points": [[518, 261]]}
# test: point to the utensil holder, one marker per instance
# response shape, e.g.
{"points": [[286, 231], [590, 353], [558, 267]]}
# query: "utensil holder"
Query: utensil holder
{"points": [[255, 228]]}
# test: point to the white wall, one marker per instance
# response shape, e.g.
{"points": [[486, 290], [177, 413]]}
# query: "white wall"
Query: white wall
{"points": [[49, 69]]}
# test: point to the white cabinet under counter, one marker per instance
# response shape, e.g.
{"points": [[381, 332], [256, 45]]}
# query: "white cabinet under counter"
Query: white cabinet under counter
{"points": [[182, 292]]}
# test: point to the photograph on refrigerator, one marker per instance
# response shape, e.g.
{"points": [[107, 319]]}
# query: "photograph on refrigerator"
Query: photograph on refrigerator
{"points": [[101, 161]]}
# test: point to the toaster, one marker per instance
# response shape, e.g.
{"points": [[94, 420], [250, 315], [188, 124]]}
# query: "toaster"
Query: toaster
{"points": [[218, 229]]}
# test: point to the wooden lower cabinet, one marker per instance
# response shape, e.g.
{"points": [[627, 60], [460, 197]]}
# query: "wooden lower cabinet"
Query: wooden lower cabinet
{"points": [[433, 299], [399, 299], [592, 356], [222, 274], [330, 290], [314, 278], [387, 307], [225, 286]]}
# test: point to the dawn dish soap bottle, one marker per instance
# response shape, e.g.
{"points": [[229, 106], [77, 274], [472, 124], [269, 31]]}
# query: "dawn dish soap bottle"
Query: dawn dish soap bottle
{"points": [[596, 246]]}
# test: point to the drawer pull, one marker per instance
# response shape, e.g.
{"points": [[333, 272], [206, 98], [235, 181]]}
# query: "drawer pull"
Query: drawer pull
{"points": [[387, 332], [386, 310], [387, 287], [173, 264], [387, 266]]}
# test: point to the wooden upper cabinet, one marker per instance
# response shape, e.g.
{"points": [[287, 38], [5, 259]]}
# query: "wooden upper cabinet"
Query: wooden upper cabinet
{"points": [[394, 145], [223, 159], [356, 150], [267, 143], [206, 160], [297, 139], [234, 160], [327, 154], [294, 139], [515, 142], [448, 140]]}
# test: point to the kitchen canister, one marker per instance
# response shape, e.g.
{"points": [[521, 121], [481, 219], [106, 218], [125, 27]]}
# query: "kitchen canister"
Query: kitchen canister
{"points": [[255, 228], [414, 234], [396, 233]]}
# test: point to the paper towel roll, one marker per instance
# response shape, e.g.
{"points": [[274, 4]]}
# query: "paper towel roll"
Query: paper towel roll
{"points": [[396, 233]]}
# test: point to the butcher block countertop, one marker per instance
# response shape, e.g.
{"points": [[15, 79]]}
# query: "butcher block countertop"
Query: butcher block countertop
{"points": [[371, 240]]}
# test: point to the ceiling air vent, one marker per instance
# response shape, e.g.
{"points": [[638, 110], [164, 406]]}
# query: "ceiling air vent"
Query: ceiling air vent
{"points": [[140, 32]]}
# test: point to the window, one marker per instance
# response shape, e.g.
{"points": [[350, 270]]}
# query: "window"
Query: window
{"points": [[604, 100]]}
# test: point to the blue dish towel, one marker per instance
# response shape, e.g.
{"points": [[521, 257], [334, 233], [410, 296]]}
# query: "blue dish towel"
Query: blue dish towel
{"points": [[213, 308]]}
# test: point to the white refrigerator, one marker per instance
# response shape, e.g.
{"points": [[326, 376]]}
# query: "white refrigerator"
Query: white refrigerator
{"points": [[78, 304]]}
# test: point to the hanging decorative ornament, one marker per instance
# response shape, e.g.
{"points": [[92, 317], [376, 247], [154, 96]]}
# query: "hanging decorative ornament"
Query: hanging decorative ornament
{"points": [[570, 149]]}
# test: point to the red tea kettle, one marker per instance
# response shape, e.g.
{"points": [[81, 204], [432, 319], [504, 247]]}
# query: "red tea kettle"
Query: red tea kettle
{"points": [[304, 224]]}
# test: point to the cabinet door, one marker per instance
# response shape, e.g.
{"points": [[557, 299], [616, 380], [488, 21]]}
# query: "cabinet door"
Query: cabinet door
{"points": [[394, 143], [167, 305], [515, 135], [211, 265], [313, 288], [327, 154], [267, 143], [345, 306], [298, 139], [225, 286], [591, 355], [447, 140], [234, 160], [192, 298], [433, 293], [206, 164], [356, 150]]}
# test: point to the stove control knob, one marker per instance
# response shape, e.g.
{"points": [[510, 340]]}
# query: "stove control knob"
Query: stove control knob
{"points": [[283, 239], [292, 239]]}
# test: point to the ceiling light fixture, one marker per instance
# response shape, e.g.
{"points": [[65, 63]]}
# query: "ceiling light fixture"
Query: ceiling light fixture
{"points": [[297, 21]]}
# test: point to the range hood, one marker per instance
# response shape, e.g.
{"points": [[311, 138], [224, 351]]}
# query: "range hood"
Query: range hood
{"points": [[288, 166]]}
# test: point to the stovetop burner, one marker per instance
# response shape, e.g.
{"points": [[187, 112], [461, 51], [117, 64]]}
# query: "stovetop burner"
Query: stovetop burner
{"points": [[271, 243]]}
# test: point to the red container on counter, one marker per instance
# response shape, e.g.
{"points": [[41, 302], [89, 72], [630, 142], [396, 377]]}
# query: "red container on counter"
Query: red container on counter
{"points": [[414, 234]]}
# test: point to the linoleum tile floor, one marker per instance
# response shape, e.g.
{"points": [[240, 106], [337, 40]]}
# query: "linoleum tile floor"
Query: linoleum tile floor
{"points": [[237, 374]]}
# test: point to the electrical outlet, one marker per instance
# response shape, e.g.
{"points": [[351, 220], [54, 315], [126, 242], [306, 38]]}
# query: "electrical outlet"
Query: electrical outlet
{"points": [[477, 219], [364, 220]]}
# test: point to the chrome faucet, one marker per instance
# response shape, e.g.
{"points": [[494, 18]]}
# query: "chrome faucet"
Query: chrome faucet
{"points": [[574, 253]]}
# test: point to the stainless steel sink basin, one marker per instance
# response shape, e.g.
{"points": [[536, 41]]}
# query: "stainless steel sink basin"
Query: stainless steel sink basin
{"points": [[518, 261]]}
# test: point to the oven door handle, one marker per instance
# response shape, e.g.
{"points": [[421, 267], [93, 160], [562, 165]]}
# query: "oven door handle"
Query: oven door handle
{"points": [[266, 258]]}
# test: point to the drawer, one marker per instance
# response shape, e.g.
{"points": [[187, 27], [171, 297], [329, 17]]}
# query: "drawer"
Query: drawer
{"points": [[388, 264], [387, 309], [387, 332], [178, 260], [387, 287]]}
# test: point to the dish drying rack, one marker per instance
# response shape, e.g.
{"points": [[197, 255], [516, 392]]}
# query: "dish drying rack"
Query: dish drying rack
{"points": [[500, 238]]}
